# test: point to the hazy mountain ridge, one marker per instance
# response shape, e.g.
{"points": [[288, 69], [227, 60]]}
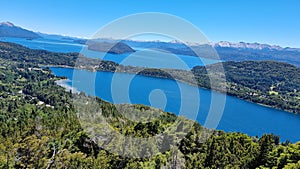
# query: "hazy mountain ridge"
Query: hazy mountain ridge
{"points": [[256, 46], [174, 43], [227, 51], [8, 29]]}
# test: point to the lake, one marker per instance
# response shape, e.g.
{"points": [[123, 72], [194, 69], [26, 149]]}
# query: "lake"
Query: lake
{"points": [[142, 58], [238, 115]]}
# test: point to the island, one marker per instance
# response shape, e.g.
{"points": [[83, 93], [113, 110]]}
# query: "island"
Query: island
{"points": [[109, 47]]}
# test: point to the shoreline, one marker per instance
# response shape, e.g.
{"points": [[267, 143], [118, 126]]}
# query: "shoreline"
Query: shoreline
{"points": [[62, 83], [179, 80]]}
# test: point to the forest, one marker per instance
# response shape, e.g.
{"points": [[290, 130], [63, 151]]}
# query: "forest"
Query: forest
{"points": [[40, 128], [271, 83]]}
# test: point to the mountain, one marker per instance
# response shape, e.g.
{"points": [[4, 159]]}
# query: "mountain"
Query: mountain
{"points": [[257, 52], [115, 48], [226, 51], [58, 37], [8, 29], [243, 45], [253, 46]]}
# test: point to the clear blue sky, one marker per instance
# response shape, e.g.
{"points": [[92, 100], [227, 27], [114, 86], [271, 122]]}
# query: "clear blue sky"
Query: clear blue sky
{"points": [[264, 21]]}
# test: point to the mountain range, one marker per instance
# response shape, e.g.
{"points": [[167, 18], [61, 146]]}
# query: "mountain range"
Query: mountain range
{"points": [[223, 50], [256, 46]]}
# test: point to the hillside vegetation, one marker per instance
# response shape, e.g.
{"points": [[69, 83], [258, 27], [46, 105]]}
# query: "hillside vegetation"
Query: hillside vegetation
{"points": [[39, 128], [270, 83]]}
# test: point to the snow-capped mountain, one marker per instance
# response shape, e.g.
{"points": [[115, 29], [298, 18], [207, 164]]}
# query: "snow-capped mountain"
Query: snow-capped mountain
{"points": [[239, 45], [244, 45], [8, 29], [8, 24]]}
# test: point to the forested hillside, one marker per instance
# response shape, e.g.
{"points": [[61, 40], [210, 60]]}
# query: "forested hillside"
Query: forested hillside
{"points": [[270, 83], [39, 128]]}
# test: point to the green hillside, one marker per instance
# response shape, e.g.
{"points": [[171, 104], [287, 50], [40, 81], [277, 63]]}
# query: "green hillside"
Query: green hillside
{"points": [[39, 128]]}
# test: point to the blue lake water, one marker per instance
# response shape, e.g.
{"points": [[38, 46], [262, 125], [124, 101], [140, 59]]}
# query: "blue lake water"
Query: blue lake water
{"points": [[46, 44], [142, 58], [238, 115]]}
